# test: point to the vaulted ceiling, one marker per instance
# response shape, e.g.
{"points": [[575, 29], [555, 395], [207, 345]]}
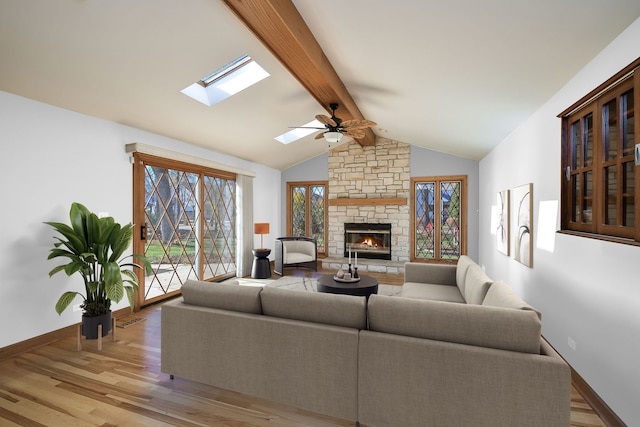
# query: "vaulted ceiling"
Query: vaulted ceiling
{"points": [[452, 77]]}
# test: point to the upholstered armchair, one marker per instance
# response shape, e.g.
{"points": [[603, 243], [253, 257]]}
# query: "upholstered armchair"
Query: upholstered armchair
{"points": [[295, 252]]}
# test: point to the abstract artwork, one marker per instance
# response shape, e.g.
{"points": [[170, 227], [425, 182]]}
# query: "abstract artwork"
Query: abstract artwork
{"points": [[522, 221], [502, 229]]}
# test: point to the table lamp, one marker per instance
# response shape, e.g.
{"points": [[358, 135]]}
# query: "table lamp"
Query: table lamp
{"points": [[261, 228]]}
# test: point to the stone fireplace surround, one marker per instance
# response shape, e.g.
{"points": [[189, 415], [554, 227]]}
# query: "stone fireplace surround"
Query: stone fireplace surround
{"points": [[369, 185]]}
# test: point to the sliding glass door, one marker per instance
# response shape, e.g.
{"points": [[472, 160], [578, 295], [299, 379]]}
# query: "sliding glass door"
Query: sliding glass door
{"points": [[187, 217]]}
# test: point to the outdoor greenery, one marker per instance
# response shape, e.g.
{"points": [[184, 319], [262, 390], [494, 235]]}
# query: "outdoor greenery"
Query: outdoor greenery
{"points": [[157, 253], [94, 248], [449, 244]]}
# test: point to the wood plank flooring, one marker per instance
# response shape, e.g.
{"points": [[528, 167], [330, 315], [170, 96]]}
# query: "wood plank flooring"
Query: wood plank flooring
{"points": [[122, 385]]}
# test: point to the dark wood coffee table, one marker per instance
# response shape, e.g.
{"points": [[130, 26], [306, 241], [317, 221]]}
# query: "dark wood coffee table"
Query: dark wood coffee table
{"points": [[366, 286]]}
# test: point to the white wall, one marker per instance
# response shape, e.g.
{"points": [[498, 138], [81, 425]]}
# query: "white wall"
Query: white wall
{"points": [[49, 158], [587, 289]]}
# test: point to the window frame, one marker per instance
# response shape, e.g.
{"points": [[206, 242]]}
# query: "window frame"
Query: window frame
{"points": [[322, 251], [463, 179], [593, 103]]}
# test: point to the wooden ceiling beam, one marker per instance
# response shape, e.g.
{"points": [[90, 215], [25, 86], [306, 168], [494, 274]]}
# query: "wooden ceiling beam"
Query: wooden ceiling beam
{"points": [[280, 27]]}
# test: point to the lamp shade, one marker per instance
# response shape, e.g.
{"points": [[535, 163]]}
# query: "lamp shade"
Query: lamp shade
{"points": [[261, 228], [332, 136]]}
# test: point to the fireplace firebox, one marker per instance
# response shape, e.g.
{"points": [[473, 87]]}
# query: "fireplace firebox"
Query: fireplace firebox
{"points": [[368, 240]]}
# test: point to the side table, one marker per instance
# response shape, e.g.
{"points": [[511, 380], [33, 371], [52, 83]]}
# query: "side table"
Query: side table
{"points": [[261, 268]]}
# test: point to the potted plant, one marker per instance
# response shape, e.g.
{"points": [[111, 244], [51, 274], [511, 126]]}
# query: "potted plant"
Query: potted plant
{"points": [[94, 247]]}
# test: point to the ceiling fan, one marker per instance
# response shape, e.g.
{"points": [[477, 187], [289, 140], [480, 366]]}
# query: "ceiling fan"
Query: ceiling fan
{"points": [[334, 127]]}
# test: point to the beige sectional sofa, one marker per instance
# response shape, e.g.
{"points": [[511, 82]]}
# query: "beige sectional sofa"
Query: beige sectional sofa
{"points": [[429, 358]]}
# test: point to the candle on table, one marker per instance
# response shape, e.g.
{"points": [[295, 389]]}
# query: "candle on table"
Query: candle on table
{"points": [[356, 258], [349, 254]]}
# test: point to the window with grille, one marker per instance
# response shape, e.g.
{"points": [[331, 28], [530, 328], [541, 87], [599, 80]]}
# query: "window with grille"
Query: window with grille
{"points": [[438, 218], [600, 156], [187, 222], [307, 211]]}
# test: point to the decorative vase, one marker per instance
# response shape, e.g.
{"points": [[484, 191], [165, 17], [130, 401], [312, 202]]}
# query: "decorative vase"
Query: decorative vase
{"points": [[90, 325], [340, 274]]}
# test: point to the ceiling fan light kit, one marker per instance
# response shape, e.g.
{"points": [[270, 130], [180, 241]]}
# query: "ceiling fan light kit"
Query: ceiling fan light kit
{"points": [[332, 137]]}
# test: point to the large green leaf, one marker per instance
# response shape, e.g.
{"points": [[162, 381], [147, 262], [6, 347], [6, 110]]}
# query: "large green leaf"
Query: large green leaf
{"points": [[146, 265], [55, 253], [74, 267], [107, 226], [93, 229], [130, 296], [74, 242], [121, 242], [78, 214], [113, 284], [56, 270], [131, 279], [65, 300]]}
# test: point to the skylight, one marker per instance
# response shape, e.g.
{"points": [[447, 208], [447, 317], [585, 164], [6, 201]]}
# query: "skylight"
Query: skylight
{"points": [[297, 133], [234, 77]]}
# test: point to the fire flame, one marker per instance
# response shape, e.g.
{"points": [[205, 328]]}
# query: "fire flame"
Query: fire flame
{"points": [[368, 242]]}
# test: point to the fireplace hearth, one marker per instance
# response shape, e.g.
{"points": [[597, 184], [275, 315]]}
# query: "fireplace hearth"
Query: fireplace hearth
{"points": [[371, 241]]}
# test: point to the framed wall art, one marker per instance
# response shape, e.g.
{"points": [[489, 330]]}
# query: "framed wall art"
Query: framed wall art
{"points": [[502, 229], [522, 223]]}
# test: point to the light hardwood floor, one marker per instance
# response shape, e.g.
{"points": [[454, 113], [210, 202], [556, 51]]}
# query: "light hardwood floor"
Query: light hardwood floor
{"points": [[122, 385]]}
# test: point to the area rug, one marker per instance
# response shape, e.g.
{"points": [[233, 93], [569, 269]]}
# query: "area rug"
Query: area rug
{"points": [[311, 285]]}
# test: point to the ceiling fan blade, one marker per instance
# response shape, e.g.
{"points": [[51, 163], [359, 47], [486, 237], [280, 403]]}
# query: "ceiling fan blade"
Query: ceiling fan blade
{"points": [[357, 124], [356, 133], [319, 136], [326, 120], [304, 127]]}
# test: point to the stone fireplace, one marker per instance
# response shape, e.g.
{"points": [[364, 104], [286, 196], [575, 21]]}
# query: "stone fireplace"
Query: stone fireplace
{"points": [[372, 241], [370, 184]]}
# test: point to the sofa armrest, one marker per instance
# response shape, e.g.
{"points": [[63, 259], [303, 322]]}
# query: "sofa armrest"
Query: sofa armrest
{"points": [[435, 274]]}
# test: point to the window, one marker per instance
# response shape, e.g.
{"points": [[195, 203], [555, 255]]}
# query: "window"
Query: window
{"points": [[439, 218], [187, 224], [600, 175], [307, 211], [226, 81]]}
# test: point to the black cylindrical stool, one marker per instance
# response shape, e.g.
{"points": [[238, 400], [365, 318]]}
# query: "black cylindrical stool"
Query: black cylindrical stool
{"points": [[261, 267]]}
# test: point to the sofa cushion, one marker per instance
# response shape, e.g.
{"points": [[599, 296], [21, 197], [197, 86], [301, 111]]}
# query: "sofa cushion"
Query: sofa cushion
{"points": [[297, 257], [501, 295], [482, 326], [476, 285], [245, 299], [433, 292], [331, 309], [299, 246], [461, 271]]}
